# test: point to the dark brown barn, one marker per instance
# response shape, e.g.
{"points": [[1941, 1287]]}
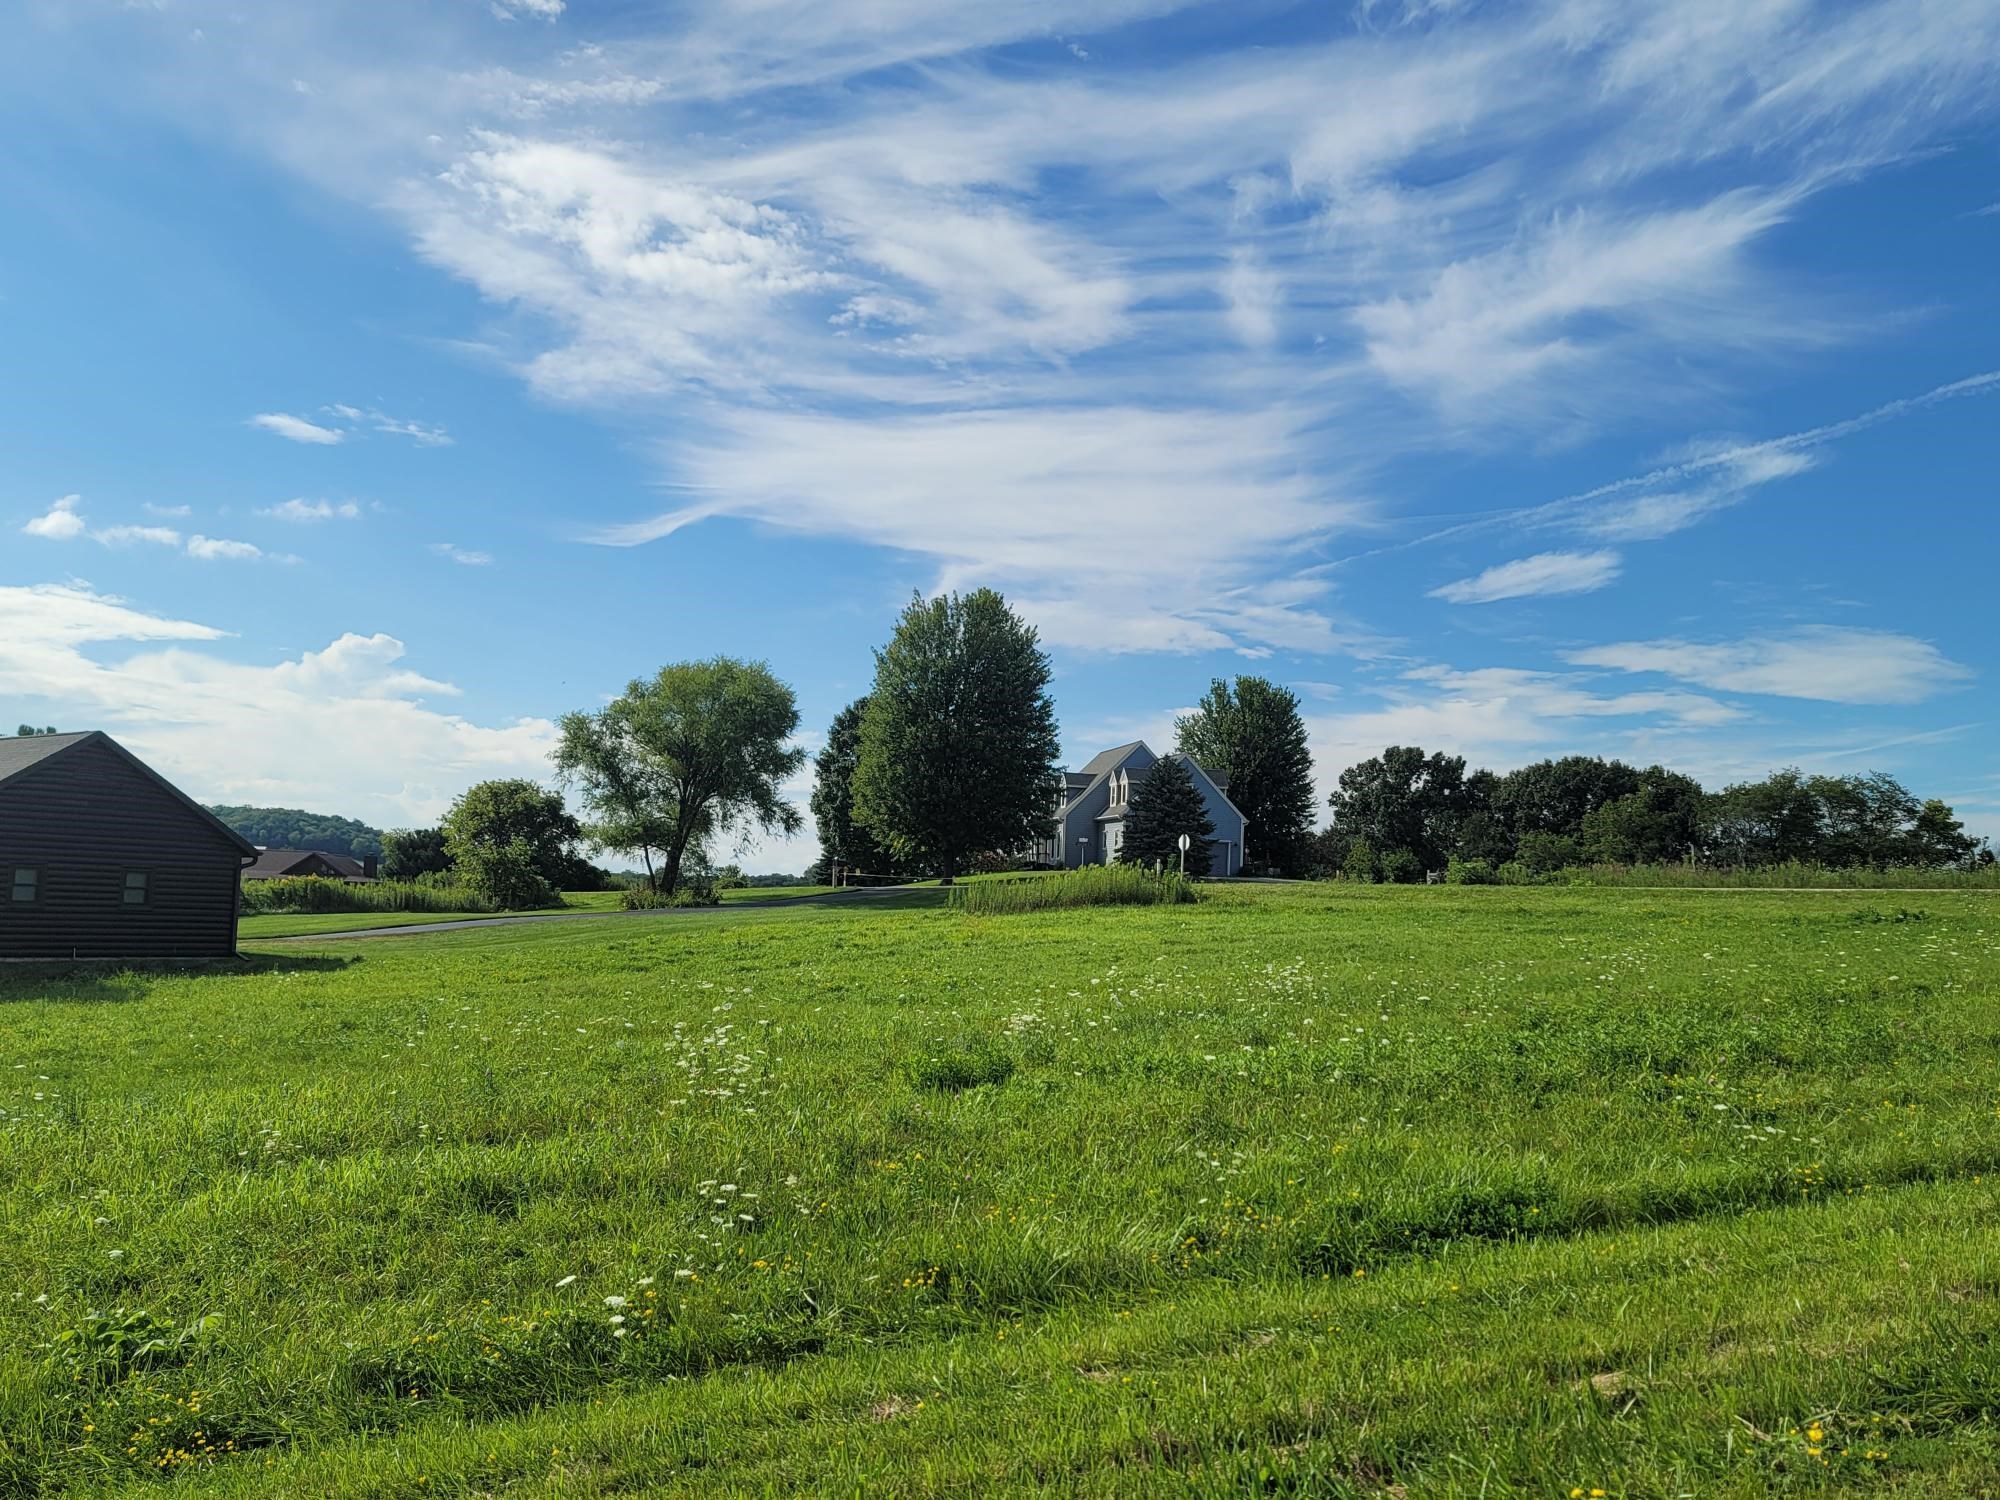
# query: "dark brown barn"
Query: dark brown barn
{"points": [[103, 858]]}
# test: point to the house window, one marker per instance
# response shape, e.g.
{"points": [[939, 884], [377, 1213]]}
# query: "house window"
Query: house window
{"points": [[27, 883], [135, 887]]}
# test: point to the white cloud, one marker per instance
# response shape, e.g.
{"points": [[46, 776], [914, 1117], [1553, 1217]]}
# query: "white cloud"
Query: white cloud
{"points": [[346, 729], [169, 512], [62, 521], [1530, 577], [742, 224], [535, 10], [212, 548], [1831, 664], [119, 536], [307, 511], [462, 555], [1171, 516], [1253, 296], [297, 429]]}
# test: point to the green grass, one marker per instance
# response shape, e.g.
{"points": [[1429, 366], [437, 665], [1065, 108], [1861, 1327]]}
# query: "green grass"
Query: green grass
{"points": [[1300, 1190], [306, 924], [750, 895]]}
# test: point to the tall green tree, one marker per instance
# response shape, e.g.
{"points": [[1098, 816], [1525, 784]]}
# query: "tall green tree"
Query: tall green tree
{"points": [[512, 842], [1555, 796], [410, 852], [844, 843], [1166, 804], [1405, 800], [1253, 734], [672, 762], [958, 742]]}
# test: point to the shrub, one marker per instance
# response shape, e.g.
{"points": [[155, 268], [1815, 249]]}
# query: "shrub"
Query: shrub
{"points": [[1513, 872], [312, 893], [1093, 885], [689, 893], [1361, 863], [508, 875], [1401, 867], [1467, 872]]}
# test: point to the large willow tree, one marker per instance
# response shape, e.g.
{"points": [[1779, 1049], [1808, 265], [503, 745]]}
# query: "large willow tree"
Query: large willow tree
{"points": [[670, 763]]}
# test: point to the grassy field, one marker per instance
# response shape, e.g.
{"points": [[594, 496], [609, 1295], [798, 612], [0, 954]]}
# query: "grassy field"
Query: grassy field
{"points": [[1319, 1190], [306, 924]]}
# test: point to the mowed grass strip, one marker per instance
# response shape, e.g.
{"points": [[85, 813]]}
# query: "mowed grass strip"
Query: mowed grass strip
{"points": [[796, 1143], [1841, 1348]]}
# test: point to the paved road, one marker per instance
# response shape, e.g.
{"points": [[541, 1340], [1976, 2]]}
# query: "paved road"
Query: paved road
{"points": [[857, 896]]}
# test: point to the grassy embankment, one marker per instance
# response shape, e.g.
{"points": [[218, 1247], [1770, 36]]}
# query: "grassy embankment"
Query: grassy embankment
{"points": [[1314, 1190]]}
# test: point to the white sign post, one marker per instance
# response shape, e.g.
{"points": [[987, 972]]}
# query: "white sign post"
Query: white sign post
{"points": [[1185, 841]]}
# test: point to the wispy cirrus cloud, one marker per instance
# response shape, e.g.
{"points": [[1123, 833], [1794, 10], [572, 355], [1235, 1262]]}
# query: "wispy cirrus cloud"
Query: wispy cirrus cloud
{"points": [[463, 556], [1473, 225], [222, 549], [296, 429], [867, 226], [308, 512], [338, 422], [1827, 663], [1530, 577]]}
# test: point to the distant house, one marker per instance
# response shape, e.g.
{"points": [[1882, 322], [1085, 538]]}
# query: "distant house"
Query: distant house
{"points": [[277, 864], [104, 858], [1091, 804]]}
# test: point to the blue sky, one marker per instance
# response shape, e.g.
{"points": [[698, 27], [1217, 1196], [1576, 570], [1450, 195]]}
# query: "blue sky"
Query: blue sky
{"points": [[1597, 375]]}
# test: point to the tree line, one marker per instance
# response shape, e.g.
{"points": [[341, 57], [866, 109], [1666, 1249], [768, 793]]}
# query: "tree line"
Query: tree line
{"points": [[1403, 815]]}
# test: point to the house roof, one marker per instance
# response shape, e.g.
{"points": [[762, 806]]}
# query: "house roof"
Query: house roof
{"points": [[275, 862], [19, 753], [1106, 760]]}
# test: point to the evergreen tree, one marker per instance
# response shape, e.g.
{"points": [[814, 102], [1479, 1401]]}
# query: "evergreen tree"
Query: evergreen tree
{"points": [[1165, 805], [958, 741], [844, 843], [1252, 734]]}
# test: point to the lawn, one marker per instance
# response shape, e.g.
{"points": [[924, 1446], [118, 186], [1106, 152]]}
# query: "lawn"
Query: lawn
{"points": [[307, 924], [1318, 1190]]}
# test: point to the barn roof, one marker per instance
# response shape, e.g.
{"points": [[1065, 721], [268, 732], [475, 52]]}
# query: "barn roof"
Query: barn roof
{"points": [[19, 753]]}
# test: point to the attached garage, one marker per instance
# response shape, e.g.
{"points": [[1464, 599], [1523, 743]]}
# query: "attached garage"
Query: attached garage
{"points": [[101, 857]]}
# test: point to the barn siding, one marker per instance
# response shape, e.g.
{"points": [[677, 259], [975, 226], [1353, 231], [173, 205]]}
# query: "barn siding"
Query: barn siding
{"points": [[83, 818]]}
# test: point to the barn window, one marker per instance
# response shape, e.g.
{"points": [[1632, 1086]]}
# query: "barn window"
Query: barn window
{"points": [[27, 883], [135, 887]]}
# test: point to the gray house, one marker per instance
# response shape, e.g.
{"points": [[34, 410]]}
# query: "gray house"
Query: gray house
{"points": [[1090, 811]]}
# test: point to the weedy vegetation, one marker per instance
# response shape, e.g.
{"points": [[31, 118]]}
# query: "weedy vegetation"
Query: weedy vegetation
{"points": [[1333, 1190], [315, 894], [1092, 885]]}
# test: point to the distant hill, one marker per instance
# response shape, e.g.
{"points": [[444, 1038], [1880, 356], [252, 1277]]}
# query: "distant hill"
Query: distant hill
{"points": [[289, 828]]}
